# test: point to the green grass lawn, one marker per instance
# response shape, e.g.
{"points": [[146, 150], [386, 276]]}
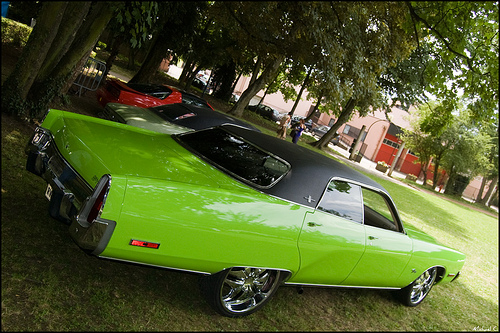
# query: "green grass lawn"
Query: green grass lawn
{"points": [[48, 283]]}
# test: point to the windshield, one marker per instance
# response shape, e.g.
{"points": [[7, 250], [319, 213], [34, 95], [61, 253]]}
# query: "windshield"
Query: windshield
{"points": [[236, 156]]}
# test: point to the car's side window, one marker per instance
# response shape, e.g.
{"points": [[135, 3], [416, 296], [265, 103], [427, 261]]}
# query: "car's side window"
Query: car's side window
{"points": [[377, 211], [343, 199]]}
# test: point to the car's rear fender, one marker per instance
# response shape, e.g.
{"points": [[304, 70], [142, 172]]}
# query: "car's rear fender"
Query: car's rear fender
{"points": [[205, 229]]}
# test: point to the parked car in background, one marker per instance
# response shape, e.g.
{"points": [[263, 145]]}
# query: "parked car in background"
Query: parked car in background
{"points": [[145, 95], [245, 210], [201, 80], [321, 130], [265, 111], [234, 98], [160, 118], [295, 120]]}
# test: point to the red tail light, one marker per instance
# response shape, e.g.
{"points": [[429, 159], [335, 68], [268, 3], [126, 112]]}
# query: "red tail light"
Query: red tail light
{"points": [[98, 204], [94, 204]]}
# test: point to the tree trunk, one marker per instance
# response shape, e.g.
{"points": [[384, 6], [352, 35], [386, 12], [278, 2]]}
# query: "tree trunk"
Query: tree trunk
{"points": [[479, 196], [436, 169], [64, 74], [263, 96], [188, 66], [304, 85], [256, 70], [246, 96], [343, 118], [190, 77], [157, 51], [72, 20], [485, 200], [235, 82], [311, 114], [451, 181], [115, 50], [16, 87]]}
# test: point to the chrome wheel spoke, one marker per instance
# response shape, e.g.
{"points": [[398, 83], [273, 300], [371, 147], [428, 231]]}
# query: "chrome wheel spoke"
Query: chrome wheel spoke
{"points": [[244, 289], [422, 285]]}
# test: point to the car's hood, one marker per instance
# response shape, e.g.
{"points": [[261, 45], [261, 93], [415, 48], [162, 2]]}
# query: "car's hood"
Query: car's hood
{"points": [[95, 147], [144, 118]]}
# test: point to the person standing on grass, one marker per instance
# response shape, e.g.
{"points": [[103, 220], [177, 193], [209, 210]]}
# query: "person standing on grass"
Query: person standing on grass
{"points": [[285, 120], [298, 130]]}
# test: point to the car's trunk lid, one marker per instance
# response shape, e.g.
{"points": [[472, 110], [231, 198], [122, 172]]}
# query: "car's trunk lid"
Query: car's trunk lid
{"points": [[95, 147]]}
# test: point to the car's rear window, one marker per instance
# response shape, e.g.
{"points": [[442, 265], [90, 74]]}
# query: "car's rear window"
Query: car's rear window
{"points": [[236, 156]]}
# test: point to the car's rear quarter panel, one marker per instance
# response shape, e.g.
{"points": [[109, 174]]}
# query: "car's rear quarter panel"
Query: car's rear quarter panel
{"points": [[205, 229]]}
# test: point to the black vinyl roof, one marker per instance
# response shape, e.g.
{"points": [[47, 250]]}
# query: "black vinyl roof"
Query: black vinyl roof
{"points": [[310, 171], [203, 117]]}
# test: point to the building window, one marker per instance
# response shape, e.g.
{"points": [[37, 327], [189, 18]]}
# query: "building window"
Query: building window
{"points": [[391, 143]]}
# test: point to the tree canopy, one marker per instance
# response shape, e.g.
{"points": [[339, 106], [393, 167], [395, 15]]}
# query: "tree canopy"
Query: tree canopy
{"points": [[359, 55]]}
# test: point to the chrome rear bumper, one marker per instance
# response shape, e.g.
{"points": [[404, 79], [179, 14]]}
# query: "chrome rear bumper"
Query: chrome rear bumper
{"points": [[69, 189]]}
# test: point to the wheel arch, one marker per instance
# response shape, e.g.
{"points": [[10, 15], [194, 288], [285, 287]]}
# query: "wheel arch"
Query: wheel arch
{"points": [[441, 273]]}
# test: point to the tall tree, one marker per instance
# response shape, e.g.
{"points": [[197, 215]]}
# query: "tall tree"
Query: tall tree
{"points": [[456, 52], [132, 24], [40, 76], [269, 40], [365, 40], [64, 73], [177, 21], [462, 38], [17, 85], [489, 169]]}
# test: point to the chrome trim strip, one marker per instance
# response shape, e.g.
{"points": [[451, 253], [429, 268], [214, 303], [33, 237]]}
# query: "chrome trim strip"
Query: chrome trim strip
{"points": [[337, 286], [159, 266]]}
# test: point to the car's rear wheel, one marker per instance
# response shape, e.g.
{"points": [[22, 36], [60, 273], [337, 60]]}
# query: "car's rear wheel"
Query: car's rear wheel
{"points": [[415, 293], [240, 291]]}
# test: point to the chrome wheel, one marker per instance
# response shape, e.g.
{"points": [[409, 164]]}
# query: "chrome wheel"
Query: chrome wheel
{"points": [[415, 293], [422, 286], [244, 289], [237, 292]]}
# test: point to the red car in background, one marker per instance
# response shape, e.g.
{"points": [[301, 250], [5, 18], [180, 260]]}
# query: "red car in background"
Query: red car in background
{"points": [[145, 95]]}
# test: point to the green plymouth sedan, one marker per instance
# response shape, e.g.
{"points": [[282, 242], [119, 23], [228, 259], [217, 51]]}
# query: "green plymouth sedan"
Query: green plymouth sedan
{"points": [[245, 210]]}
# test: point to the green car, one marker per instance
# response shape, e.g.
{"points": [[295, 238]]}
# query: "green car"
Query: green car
{"points": [[245, 210]]}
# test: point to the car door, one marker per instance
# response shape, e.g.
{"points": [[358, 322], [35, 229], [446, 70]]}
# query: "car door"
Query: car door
{"points": [[332, 239], [388, 248]]}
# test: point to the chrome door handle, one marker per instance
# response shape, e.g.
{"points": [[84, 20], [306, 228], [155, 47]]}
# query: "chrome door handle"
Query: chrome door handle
{"points": [[314, 224], [372, 237]]}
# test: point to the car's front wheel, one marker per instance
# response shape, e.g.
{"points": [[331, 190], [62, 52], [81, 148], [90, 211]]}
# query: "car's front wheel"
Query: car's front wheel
{"points": [[415, 293], [240, 291]]}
